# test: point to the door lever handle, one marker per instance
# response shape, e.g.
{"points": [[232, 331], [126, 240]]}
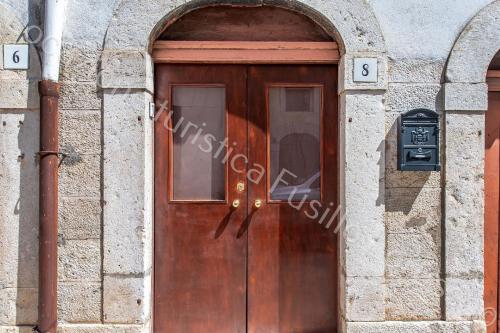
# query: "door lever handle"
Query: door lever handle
{"points": [[258, 203], [236, 203]]}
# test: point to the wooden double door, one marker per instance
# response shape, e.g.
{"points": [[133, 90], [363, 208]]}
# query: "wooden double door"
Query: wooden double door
{"points": [[245, 199]]}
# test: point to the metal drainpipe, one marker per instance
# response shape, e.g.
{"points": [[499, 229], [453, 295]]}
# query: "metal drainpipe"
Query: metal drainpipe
{"points": [[49, 89]]}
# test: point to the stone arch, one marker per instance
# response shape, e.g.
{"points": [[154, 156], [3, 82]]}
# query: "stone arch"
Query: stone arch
{"points": [[465, 104], [127, 83], [475, 48], [353, 23]]}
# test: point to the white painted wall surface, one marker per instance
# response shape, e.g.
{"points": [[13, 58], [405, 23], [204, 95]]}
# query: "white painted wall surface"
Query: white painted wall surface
{"points": [[423, 28]]}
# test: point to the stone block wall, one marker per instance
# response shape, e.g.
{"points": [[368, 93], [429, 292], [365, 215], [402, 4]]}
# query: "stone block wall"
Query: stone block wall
{"points": [[80, 215], [413, 202]]}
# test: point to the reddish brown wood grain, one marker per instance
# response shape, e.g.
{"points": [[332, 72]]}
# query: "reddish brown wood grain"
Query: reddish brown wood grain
{"points": [[237, 23], [492, 199], [223, 52], [493, 80], [218, 269], [200, 264], [292, 259]]}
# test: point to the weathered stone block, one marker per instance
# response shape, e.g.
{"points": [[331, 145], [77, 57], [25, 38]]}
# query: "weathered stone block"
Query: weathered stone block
{"points": [[413, 299], [363, 162], [127, 299], [99, 328], [414, 255], [18, 306], [464, 170], [407, 70], [466, 96], [80, 96], [80, 176], [464, 299], [79, 302], [80, 218], [127, 69], [128, 192], [80, 131], [416, 327], [365, 299], [19, 199], [402, 97], [465, 256], [79, 64], [19, 94], [79, 260], [413, 210], [16, 329]]}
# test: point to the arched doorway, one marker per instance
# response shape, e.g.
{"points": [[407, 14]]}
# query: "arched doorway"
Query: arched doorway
{"points": [[492, 198], [246, 143]]}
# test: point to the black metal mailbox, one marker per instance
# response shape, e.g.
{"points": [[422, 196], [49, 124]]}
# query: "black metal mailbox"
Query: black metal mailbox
{"points": [[418, 141]]}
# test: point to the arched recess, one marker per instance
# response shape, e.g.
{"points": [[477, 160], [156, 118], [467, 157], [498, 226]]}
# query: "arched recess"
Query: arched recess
{"points": [[466, 101], [128, 90]]}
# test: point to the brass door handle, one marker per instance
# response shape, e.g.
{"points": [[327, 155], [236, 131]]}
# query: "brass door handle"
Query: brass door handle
{"points": [[236, 203], [258, 203]]}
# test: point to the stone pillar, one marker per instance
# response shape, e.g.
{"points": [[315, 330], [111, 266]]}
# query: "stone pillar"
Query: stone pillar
{"points": [[128, 188], [464, 200], [362, 169]]}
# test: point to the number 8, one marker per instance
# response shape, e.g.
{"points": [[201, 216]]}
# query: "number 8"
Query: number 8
{"points": [[365, 71]]}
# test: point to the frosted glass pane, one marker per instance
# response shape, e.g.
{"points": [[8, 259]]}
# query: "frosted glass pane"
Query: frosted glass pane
{"points": [[198, 126], [295, 115]]}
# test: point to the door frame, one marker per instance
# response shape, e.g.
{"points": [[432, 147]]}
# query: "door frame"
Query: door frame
{"points": [[249, 53], [163, 199], [127, 87]]}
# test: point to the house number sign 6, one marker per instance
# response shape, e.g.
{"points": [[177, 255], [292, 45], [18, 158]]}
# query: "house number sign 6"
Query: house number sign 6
{"points": [[365, 70], [16, 56]]}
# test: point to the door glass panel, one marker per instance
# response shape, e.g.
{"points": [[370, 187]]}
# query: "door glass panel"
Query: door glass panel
{"points": [[295, 144], [198, 127]]}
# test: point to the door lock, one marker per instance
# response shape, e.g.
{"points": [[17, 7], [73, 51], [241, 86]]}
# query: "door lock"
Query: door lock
{"points": [[240, 187]]}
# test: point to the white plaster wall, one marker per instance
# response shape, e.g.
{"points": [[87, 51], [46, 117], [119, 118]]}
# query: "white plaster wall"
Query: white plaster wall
{"points": [[423, 29]]}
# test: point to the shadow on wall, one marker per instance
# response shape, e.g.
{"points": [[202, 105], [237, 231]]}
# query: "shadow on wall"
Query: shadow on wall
{"points": [[27, 205], [27, 211], [402, 187], [19, 217]]}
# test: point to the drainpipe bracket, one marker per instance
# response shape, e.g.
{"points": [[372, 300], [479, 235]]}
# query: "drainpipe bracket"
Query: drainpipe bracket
{"points": [[60, 155]]}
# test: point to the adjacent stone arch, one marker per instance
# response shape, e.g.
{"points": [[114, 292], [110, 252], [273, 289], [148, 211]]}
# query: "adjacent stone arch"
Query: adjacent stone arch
{"points": [[127, 83], [466, 101]]}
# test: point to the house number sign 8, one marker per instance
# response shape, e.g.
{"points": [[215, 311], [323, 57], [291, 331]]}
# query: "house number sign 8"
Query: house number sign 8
{"points": [[365, 70], [16, 56]]}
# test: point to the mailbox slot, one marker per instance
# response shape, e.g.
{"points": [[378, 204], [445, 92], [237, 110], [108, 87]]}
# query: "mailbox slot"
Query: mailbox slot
{"points": [[418, 141]]}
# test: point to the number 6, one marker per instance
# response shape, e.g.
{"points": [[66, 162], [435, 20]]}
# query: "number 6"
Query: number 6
{"points": [[15, 57]]}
